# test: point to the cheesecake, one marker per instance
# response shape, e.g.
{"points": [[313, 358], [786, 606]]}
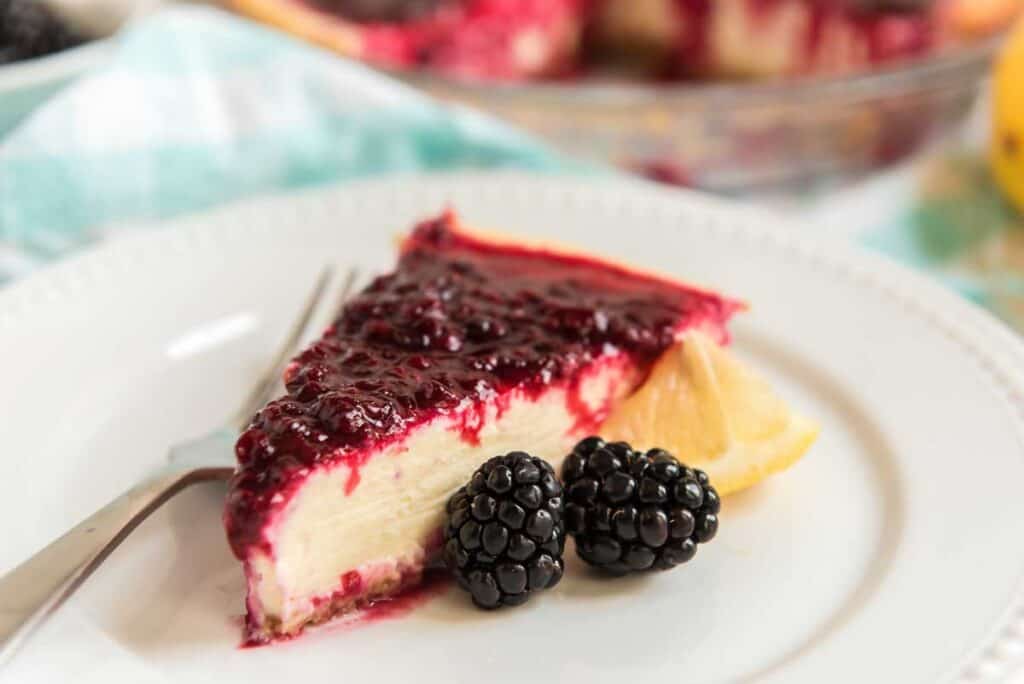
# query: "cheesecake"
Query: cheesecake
{"points": [[473, 346], [516, 40]]}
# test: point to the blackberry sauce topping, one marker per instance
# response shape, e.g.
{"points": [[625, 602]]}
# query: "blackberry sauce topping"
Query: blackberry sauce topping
{"points": [[460, 319]]}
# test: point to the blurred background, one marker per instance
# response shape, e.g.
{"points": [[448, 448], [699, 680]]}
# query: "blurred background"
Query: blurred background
{"points": [[895, 123]]}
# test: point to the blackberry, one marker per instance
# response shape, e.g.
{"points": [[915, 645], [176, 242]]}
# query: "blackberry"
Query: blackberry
{"points": [[28, 29], [505, 535], [631, 511]]}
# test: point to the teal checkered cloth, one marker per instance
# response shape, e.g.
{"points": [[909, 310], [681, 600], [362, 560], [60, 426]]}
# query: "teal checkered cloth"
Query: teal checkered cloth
{"points": [[198, 107]]}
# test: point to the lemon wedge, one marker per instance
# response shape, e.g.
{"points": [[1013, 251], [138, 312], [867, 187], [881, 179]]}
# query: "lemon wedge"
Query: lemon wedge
{"points": [[713, 413]]}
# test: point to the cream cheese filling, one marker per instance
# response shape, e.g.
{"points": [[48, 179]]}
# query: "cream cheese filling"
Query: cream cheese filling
{"points": [[383, 526]]}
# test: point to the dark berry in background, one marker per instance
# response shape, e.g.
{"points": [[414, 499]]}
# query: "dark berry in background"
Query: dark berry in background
{"points": [[29, 29], [505, 532], [631, 511]]}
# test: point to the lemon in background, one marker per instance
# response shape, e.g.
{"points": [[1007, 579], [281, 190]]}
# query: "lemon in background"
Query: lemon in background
{"points": [[1007, 150]]}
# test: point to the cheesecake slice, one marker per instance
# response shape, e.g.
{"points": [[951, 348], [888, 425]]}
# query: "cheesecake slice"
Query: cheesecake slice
{"points": [[474, 346]]}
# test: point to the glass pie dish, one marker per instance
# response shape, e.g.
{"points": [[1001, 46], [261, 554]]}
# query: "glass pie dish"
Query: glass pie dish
{"points": [[789, 135]]}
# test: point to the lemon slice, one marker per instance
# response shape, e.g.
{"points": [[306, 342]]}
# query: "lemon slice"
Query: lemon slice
{"points": [[713, 413]]}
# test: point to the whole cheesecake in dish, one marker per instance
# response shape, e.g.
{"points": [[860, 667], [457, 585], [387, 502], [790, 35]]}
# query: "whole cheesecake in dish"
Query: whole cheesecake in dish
{"points": [[542, 39], [474, 346]]}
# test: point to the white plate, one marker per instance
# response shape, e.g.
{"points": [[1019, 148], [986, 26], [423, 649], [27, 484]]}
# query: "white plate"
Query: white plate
{"points": [[892, 553]]}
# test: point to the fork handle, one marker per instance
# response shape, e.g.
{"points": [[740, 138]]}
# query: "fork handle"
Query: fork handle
{"points": [[31, 591]]}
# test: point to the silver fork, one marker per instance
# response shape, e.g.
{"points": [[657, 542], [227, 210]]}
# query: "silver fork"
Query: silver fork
{"points": [[33, 590]]}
